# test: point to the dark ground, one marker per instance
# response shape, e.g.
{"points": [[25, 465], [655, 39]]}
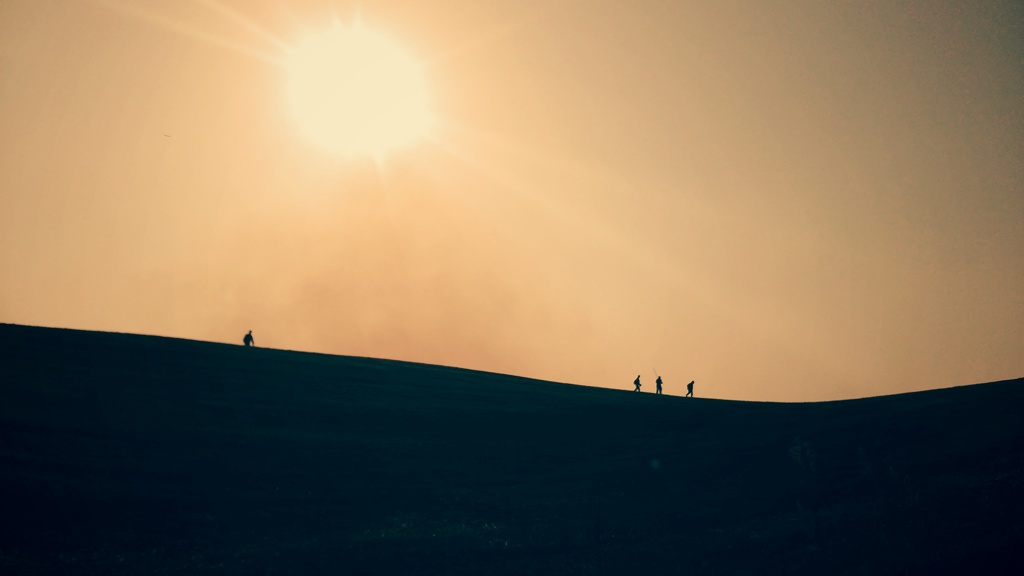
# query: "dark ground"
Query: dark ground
{"points": [[124, 454]]}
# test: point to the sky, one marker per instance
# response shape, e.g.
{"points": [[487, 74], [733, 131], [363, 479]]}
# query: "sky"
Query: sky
{"points": [[793, 200]]}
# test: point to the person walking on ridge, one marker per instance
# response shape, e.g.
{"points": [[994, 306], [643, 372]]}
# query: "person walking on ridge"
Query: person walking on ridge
{"points": [[689, 389], [658, 382], [248, 340], [636, 383]]}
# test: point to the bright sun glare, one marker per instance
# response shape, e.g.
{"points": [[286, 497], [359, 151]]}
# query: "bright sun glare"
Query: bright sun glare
{"points": [[356, 93]]}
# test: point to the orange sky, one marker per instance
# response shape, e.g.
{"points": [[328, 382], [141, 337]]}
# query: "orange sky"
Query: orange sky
{"points": [[794, 200]]}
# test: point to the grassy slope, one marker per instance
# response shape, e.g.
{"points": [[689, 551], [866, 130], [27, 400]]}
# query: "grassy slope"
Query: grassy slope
{"points": [[124, 454]]}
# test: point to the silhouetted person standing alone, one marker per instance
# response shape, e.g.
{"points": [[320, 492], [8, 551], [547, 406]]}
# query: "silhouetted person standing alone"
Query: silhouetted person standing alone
{"points": [[248, 340], [689, 389], [636, 383], [658, 382]]}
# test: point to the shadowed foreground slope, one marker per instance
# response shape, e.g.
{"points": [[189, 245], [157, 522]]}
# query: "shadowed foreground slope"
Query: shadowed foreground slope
{"points": [[124, 454]]}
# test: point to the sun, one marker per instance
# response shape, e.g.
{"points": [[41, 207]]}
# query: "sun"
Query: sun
{"points": [[356, 93]]}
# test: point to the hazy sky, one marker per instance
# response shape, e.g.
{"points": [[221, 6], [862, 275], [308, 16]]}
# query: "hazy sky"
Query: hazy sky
{"points": [[783, 200]]}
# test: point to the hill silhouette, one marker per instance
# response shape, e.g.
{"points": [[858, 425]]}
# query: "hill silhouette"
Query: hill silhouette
{"points": [[126, 454]]}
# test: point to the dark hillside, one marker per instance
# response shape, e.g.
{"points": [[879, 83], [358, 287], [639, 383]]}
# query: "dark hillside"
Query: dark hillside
{"points": [[125, 454]]}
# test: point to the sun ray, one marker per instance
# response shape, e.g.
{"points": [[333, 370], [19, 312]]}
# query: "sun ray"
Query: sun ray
{"points": [[491, 36], [702, 285], [245, 23], [505, 179], [160, 21]]}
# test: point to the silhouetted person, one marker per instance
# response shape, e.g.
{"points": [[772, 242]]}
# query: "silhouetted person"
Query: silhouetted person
{"points": [[248, 340], [636, 383], [658, 382], [689, 389]]}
